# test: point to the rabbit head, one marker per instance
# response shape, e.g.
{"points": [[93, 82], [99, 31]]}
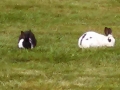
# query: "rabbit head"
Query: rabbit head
{"points": [[110, 39]]}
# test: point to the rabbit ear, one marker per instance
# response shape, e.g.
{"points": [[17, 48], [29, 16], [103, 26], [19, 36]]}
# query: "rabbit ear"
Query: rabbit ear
{"points": [[22, 32], [106, 31], [21, 36], [109, 31]]}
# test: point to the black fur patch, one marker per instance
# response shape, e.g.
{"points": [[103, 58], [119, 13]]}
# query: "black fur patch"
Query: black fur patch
{"points": [[82, 38], [109, 40], [27, 45]]}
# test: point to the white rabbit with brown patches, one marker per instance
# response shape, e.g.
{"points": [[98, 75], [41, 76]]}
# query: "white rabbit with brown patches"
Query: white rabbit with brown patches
{"points": [[94, 39]]}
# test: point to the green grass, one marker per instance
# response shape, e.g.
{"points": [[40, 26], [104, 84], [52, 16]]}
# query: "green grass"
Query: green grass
{"points": [[57, 63]]}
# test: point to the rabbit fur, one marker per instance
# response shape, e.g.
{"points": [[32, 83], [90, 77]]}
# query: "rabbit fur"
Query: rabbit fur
{"points": [[27, 40], [94, 39]]}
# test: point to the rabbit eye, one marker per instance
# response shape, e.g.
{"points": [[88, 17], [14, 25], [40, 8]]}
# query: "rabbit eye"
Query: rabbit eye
{"points": [[109, 40]]}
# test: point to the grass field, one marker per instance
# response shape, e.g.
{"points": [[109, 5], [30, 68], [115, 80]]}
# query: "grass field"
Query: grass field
{"points": [[57, 63]]}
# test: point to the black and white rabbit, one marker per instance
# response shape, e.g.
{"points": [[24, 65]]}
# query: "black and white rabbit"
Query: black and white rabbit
{"points": [[93, 39], [27, 40]]}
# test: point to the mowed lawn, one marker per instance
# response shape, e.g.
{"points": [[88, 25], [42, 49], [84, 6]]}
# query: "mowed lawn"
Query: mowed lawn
{"points": [[57, 63]]}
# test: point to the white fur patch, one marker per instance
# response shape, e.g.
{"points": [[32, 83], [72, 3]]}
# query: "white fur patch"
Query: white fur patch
{"points": [[20, 44], [31, 43]]}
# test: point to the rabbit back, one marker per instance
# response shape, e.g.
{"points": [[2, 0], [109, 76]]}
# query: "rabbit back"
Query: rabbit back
{"points": [[91, 39]]}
